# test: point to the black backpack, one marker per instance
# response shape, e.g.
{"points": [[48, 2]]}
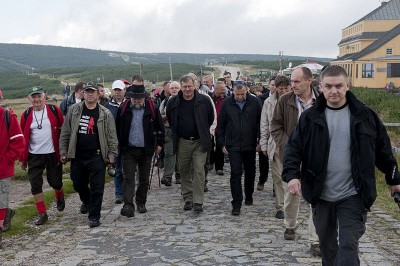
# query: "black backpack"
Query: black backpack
{"points": [[52, 108]]}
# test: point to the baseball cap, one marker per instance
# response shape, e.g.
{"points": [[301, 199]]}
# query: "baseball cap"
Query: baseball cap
{"points": [[90, 86], [118, 84], [36, 90]]}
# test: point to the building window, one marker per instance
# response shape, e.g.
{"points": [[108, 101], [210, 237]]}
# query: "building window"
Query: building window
{"points": [[389, 51], [393, 70], [368, 70], [356, 71]]}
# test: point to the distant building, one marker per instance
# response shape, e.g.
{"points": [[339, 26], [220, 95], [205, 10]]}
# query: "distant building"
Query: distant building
{"points": [[370, 48]]}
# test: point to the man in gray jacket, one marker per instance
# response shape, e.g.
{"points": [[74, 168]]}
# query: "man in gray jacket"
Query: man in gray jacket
{"points": [[88, 138]]}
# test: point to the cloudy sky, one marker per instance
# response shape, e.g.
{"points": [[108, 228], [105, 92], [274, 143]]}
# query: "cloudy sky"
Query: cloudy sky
{"points": [[296, 27]]}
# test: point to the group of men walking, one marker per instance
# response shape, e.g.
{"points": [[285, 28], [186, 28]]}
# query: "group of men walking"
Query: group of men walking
{"points": [[323, 142]]}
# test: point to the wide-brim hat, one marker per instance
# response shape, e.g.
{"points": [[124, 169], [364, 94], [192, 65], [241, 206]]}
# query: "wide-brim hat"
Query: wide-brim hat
{"points": [[136, 91]]}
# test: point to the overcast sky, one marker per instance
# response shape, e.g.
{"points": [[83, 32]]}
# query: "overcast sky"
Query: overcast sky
{"points": [[296, 27]]}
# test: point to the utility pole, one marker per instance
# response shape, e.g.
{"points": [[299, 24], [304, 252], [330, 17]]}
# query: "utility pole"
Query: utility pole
{"points": [[280, 61], [170, 68]]}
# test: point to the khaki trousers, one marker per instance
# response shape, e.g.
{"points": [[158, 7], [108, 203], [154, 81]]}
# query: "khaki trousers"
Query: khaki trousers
{"points": [[276, 169]]}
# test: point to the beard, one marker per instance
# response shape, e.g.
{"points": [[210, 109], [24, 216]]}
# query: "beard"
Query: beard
{"points": [[138, 106]]}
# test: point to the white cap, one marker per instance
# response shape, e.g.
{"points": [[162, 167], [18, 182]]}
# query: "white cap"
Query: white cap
{"points": [[118, 84]]}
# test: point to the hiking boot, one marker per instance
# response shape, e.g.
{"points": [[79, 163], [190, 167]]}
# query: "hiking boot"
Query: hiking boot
{"points": [[220, 172], [197, 208], [141, 209], [289, 234], [84, 208], [7, 220], [315, 250], [236, 211], [61, 204], [248, 201], [166, 182], [188, 206], [177, 178], [128, 211], [118, 200], [260, 187], [42, 218], [94, 222], [280, 215]]}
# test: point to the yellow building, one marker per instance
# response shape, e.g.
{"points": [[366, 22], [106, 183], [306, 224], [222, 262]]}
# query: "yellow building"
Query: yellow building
{"points": [[370, 48]]}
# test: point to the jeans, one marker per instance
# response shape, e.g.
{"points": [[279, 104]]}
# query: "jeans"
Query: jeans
{"points": [[118, 178], [87, 172], [238, 161], [348, 216], [130, 159]]}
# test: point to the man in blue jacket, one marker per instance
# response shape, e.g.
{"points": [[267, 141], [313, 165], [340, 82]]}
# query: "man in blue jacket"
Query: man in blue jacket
{"points": [[330, 158]]}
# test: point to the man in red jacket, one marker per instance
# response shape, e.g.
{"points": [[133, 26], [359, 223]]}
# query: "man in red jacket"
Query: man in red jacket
{"points": [[12, 146], [41, 125]]}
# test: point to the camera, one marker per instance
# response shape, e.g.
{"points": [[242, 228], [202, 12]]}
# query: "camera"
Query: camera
{"points": [[396, 197], [111, 170]]}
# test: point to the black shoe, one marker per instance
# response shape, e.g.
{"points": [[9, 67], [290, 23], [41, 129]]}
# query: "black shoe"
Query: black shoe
{"points": [[84, 208], [205, 188], [118, 200], [280, 215], [197, 208], [260, 187], [42, 218], [94, 222], [166, 182], [128, 211], [248, 201], [188, 206], [141, 209], [7, 220], [236, 211], [61, 204]]}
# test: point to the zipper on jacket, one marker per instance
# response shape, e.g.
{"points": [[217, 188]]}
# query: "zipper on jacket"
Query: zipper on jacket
{"points": [[394, 172]]}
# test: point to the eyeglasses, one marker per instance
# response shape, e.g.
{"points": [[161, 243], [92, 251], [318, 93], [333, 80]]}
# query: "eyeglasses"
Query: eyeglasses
{"points": [[241, 82]]}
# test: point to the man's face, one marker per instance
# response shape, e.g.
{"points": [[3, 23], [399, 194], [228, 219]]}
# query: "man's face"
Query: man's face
{"points": [[334, 90], [79, 94], [101, 92], [240, 94], [272, 87], [174, 88], [91, 96], [37, 100], [282, 90], [208, 82], [228, 79], [137, 102], [187, 89], [300, 86], [221, 89], [119, 93]]}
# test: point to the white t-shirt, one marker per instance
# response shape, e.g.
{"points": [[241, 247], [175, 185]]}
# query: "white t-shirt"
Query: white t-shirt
{"points": [[41, 140]]}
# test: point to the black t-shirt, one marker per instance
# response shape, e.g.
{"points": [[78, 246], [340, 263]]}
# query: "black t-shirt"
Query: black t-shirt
{"points": [[88, 137], [186, 122]]}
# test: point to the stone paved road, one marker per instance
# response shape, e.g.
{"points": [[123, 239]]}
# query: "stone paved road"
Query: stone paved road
{"points": [[167, 235]]}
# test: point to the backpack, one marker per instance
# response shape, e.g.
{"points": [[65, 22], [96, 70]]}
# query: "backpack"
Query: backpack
{"points": [[52, 108], [148, 100]]}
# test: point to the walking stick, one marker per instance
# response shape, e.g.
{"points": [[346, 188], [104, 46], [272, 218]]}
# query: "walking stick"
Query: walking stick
{"points": [[153, 163]]}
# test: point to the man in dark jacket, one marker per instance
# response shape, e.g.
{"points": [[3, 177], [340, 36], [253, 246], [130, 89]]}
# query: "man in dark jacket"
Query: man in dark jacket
{"points": [[330, 158], [140, 132], [238, 134], [190, 115], [76, 97]]}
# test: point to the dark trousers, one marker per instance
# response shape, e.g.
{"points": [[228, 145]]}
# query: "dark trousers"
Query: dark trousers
{"points": [[348, 216], [87, 172], [130, 159], [238, 161], [36, 165], [263, 162], [118, 178], [219, 159]]}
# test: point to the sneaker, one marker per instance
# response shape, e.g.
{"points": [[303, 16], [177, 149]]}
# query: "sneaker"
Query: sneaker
{"points": [[248, 201], [7, 220], [118, 200], [197, 208], [84, 208], [260, 187], [128, 211], [280, 215], [236, 211], [94, 222], [42, 218], [166, 182], [289, 234], [188, 206], [141, 209], [315, 250], [61, 204], [220, 172]]}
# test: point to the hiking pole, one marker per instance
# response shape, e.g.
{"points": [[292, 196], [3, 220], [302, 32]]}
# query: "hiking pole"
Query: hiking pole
{"points": [[153, 163]]}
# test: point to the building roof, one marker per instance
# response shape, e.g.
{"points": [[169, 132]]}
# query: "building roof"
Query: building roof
{"points": [[387, 11], [373, 46], [363, 36]]}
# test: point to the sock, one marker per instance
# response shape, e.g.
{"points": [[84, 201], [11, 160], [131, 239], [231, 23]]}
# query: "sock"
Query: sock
{"points": [[41, 208], [59, 194], [3, 213]]}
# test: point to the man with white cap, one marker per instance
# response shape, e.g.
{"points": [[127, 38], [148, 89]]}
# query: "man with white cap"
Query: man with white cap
{"points": [[118, 87]]}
